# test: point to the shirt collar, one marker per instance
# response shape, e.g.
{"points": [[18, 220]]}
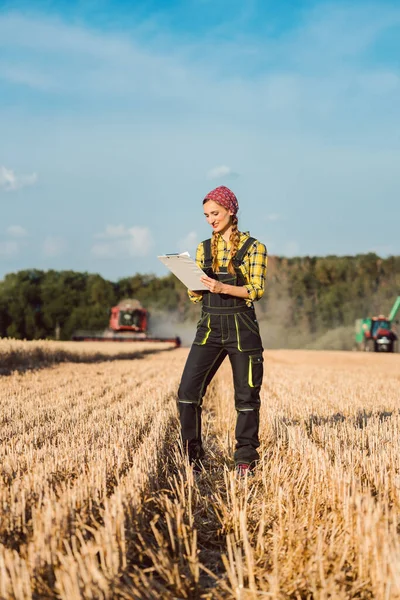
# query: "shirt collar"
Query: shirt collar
{"points": [[243, 234]]}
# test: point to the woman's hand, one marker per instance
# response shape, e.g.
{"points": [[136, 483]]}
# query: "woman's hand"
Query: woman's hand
{"points": [[215, 286]]}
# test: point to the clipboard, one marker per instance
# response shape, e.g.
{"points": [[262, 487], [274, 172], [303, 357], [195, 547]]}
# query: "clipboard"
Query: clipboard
{"points": [[185, 269]]}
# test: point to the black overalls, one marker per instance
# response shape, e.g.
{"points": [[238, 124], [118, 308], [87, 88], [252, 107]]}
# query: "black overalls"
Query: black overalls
{"points": [[228, 326]]}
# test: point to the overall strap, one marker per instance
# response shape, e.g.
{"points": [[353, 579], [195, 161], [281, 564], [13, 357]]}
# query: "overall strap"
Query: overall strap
{"points": [[207, 253], [240, 254]]}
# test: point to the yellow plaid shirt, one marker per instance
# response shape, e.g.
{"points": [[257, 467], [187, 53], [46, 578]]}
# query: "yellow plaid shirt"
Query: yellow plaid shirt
{"points": [[253, 269]]}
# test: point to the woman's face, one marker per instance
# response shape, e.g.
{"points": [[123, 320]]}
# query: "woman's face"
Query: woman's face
{"points": [[217, 216]]}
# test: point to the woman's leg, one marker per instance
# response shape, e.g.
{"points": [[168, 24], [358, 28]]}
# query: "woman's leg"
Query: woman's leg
{"points": [[201, 366], [247, 370]]}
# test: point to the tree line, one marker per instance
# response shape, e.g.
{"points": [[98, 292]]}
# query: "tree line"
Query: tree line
{"points": [[37, 304], [311, 294], [330, 292]]}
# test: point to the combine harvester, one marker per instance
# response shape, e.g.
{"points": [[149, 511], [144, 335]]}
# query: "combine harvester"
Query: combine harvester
{"points": [[128, 323], [376, 334]]}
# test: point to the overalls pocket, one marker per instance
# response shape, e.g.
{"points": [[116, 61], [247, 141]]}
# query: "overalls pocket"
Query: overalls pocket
{"points": [[256, 370], [248, 338], [250, 322], [203, 330]]}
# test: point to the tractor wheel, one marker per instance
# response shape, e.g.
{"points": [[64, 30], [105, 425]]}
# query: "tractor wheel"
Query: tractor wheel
{"points": [[369, 346]]}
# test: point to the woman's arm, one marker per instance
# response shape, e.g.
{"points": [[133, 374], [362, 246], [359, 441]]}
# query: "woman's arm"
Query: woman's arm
{"points": [[197, 296], [217, 287], [255, 274], [256, 270]]}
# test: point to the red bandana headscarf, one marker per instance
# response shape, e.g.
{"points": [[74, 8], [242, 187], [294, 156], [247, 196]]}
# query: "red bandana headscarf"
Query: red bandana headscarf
{"points": [[224, 196]]}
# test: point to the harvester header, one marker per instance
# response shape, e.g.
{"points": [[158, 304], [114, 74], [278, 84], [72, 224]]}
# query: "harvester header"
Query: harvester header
{"points": [[128, 323]]}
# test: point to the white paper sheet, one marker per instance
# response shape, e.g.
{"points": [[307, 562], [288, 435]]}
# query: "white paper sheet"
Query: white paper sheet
{"points": [[185, 269]]}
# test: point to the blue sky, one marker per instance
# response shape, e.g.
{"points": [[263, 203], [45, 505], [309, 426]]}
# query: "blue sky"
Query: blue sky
{"points": [[116, 118]]}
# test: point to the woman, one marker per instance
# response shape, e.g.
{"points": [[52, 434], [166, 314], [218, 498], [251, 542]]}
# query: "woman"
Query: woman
{"points": [[235, 268]]}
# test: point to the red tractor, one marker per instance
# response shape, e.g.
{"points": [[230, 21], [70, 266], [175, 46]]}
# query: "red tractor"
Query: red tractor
{"points": [[128, 323], [376, 334]]}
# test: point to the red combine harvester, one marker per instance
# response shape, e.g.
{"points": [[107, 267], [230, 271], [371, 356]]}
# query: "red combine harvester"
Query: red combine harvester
{"points": [[128, 323]]}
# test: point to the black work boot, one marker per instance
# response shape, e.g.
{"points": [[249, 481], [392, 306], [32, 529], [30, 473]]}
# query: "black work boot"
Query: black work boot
{"points": [[195, 454]]}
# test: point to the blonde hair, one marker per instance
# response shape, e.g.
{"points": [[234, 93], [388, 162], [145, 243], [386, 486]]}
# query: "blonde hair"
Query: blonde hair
{"points": [[234, 239]]}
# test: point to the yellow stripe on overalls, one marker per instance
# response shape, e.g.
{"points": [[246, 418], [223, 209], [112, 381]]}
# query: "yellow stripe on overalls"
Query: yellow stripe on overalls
{"points": [[237, 334], [250, 376], [207, 334]]}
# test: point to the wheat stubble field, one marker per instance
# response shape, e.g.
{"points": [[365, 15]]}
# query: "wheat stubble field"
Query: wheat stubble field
{"points": [[96, 503]]}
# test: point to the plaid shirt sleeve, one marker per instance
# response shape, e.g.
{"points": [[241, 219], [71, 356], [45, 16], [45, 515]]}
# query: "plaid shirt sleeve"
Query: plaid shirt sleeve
{"points": [[197, 297], [255, 270]]}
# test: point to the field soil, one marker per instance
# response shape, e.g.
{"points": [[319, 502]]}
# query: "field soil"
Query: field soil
{"points": [[96, 501]]}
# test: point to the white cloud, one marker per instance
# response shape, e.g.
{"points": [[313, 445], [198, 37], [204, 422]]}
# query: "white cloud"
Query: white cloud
{"points": [[10, 182], [121, 241], [12, 247], [188, 243], [222, 171], [26, 76], [272, 217], [113, 231], [53, 246], [9, 248], [17, 231]]}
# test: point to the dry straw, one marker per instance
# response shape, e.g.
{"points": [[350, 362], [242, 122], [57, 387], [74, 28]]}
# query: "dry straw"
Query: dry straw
{"points": [[96, 501]]}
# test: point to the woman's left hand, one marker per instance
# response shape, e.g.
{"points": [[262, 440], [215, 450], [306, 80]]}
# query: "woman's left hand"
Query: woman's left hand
{"points": [[215, 286]]}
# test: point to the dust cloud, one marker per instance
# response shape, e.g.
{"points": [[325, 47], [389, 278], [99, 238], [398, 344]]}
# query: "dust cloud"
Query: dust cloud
{"points": [[169, 324]]}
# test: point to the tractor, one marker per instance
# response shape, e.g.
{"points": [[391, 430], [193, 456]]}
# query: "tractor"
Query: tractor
{"points": [[376, 334], [128, 323]]}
